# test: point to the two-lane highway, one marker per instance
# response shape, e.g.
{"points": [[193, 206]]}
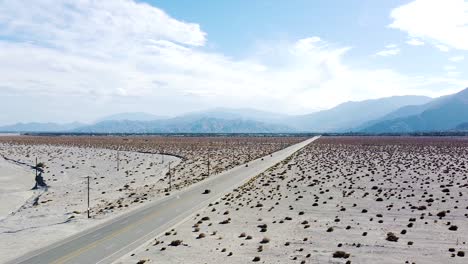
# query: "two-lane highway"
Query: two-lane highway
{"points": [[111, 240]]}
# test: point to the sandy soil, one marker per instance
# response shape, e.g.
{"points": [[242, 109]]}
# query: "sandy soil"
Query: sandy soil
{"points": [[49, 215], [221, 152], [43, 216], [351, 200], [15, 184]]}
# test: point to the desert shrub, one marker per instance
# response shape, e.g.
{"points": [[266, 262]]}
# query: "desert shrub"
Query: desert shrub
{"points": [[175, 243], [441, 214], [340, 254], [391, 237]]}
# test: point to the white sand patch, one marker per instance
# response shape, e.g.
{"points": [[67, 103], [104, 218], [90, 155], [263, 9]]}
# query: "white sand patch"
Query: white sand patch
{"points": [[61, 210], [15, 186]]}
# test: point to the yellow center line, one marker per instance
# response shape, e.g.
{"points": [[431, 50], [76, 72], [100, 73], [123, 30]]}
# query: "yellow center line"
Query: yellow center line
{"points": [[78, 252]]}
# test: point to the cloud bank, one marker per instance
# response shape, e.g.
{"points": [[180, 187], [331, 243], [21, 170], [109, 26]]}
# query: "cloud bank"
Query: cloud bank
{"points": [[134, 51], [443, 23]]}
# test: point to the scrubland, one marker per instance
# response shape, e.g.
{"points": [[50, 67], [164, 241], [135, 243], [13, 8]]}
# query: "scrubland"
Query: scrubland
{"points": [[339, 200], [125, 173]]}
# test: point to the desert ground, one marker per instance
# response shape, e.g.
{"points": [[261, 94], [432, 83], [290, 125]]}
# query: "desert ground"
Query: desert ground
{"points": [[339, 200], [31, 219]]}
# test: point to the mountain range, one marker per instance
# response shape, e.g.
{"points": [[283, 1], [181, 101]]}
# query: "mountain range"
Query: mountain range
{"points": [[397, 114], [135, 116], [347, 116], [441, 114], [183, 125], [41, 127]]}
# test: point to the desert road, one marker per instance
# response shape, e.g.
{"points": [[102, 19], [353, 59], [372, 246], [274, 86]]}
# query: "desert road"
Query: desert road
{"points": [[111, 240]]}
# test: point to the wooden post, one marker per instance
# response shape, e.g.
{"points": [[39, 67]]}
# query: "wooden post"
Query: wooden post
{"points": [[88, 197], [118, 160], [208, 163], [170, 177]]}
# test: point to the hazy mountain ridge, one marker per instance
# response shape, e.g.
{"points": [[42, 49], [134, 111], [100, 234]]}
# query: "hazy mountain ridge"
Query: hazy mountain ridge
{"points": [[397, 114], [40, 127], [133, 116], [349, 115], [238, 113], [462, 127], [181, 125], [441, 114]]}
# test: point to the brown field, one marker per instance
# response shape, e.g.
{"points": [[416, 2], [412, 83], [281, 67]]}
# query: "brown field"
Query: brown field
{"points": [[339, 200]]}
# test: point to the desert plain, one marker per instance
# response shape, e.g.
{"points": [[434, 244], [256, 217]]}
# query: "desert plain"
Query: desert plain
{"points": [[338, 200], [124, 172]]}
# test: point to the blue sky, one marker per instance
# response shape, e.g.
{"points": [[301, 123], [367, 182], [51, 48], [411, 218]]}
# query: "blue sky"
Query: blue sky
{"points": [[234, 25], [360, 24], [79, 60]]}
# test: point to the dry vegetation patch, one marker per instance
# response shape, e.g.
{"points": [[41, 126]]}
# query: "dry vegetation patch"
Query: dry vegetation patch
{"points": [[343, 200]]}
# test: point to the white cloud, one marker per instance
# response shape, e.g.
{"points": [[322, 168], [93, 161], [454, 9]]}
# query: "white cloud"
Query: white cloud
{"points": [[94, 27], [456, 58], [135, 52], [442, 48], [388, 52], [443, 23], [415, 42], [449, 67], [453, 74]]}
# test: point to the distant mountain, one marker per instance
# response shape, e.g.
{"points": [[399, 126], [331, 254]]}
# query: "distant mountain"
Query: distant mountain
{"points": [[441, 114], [404, 111], [384, 115], [40, 127], [462, 127], [236, 113], [132, 116], [349, 115], [181, 125]]}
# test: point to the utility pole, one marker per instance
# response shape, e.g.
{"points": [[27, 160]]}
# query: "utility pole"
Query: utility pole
{"points": [[170, 177], [208, 162], [118, 159], [88, 196]]}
